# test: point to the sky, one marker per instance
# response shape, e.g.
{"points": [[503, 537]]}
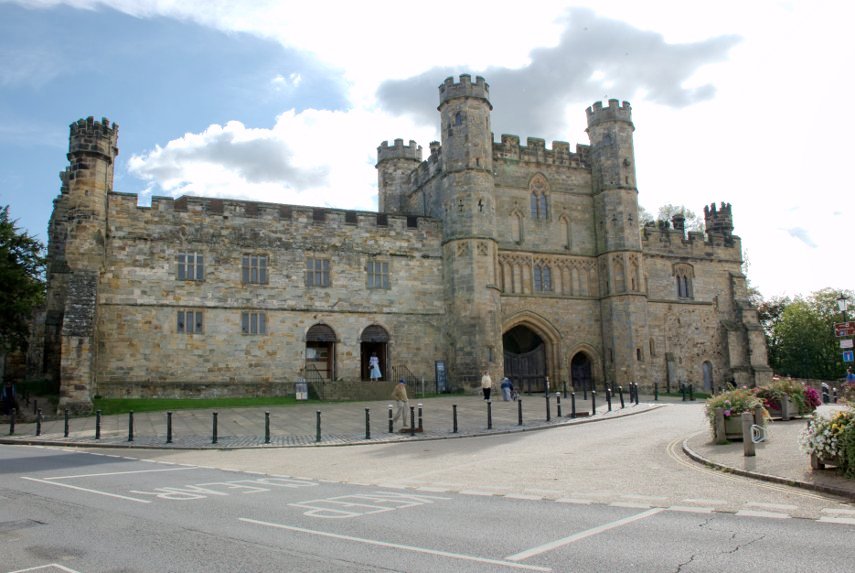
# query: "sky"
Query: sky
{"points": [[285, 102]]}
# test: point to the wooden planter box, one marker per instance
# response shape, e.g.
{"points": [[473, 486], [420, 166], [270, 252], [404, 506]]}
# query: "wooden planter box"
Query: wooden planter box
{"points": [[818, 463], [733, 428], [778, 414]]}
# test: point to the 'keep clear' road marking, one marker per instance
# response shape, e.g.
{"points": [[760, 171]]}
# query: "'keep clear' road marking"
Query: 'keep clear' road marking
{"points": [[412, 548], [345, 506], [582, 535], [204, 490]]}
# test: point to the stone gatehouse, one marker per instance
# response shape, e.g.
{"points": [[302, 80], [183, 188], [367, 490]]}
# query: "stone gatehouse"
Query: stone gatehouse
{"points": [[523, 260]]}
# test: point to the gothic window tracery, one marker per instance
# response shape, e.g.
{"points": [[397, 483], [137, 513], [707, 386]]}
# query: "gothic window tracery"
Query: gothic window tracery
{"points": [[539, 197], [542, 278], [684, 275]]}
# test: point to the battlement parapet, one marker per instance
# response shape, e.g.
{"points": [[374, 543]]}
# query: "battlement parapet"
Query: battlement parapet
{"points": [[429, 168], [616, 111], [94, 137], [719, 220], [535, 151], [660, 238], [449, 90], [398, 150]]}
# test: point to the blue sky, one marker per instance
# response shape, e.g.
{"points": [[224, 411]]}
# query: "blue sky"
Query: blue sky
{"points": [[285, 102]]}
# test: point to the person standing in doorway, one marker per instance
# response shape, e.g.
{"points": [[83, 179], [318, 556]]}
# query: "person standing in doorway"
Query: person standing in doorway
{"points": [[374, 367], [507, 388], [399, 394], [486, 384]]}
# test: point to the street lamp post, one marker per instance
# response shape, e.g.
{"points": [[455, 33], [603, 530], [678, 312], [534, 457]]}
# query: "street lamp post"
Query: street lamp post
{"points": [[843, 304]]}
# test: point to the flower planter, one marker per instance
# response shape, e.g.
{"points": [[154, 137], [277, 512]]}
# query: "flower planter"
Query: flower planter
{"points": [[733, 427], [778, 414], [818, 463]]}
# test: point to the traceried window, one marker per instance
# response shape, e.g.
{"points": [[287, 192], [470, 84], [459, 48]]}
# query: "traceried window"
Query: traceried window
{"points": [[191, 266], [378, 274], [253, 323], [539, 197], [542, 278], [684, 274], [189, 322], [254, 269], [317, 272]]}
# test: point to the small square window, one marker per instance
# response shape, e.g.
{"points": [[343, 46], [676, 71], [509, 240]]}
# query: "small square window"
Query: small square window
{"points": [[254, 269], [253, 323], [378, 274], [191, 266], [189, 322], [317, 272]]}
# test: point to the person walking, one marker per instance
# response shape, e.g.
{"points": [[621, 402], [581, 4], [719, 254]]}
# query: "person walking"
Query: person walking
{"points": [[399, 394], [486, 384], [374, 367]]}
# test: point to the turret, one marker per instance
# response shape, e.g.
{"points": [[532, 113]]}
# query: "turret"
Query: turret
{"points": [[395, 163], [719, 221]]}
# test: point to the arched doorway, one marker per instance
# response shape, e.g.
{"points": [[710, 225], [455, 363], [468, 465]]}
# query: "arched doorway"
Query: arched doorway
{"points": [[525, 359], [581, 372], [708, 379], [374, 340], [320, 352]]}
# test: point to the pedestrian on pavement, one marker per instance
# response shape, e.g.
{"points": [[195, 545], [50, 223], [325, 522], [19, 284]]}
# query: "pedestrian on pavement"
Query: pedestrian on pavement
{"points": [[8, 399], [850, 376], [399, 394], [486, 384], [507, 388], [374, 367]]}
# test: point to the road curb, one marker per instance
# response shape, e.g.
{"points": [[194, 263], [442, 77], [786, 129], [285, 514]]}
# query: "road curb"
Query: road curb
{"points": [[761, 476]]}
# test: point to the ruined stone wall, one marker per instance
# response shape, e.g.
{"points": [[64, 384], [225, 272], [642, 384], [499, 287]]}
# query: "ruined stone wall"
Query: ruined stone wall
{"points": [[140, 295]]}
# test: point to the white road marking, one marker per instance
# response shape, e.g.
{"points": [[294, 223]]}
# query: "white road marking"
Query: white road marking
{"points": [[524, 496], [119, 473], [582, 535], [398, 546], [574, 500], [645, 497], [690, 509], [95, 491], [706, 501], [844, 520], [751, 513], [42, 567], [772, 505], [839, 511], [630, 505]]}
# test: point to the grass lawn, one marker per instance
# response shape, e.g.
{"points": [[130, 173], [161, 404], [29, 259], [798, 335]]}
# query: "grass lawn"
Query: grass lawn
{"points": [[123, 405]]}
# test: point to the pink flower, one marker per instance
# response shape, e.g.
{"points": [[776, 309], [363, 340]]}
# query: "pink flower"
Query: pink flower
{"points": [[727, 413]]}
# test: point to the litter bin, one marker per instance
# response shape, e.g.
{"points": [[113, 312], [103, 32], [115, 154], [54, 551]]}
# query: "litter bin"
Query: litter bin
{"points": [[302, 389]]}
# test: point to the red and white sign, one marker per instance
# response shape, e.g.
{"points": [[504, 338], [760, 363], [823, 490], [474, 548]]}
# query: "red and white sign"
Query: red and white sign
{"points": [[844, 328]]}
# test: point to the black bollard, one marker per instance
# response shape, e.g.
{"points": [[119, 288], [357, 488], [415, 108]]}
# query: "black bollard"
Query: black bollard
{"points": [[267, 427], [656, 391], [683, 391], [98, 424], [519, 411], [620, 393], [454, 418], [489, 414], [391, 429], [131, 426], [412, 421], [318, 426], [636, 394], [691, 392], [548, 413], [558, 404], [421, 429], [214, 428], [169, 427], [609, 398], [367, 424], [584, 392], [65, 433], [39, 423], [12, 422], [572, 404], [593, 402]]}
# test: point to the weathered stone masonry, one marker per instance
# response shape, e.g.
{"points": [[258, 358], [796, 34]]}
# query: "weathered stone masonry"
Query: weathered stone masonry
{"points": [[517, 259]]}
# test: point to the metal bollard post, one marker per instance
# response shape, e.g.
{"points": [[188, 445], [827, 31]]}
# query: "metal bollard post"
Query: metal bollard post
{"points": [[489, 414], [421, 429], [683, 391], [35, 406], [593, 402], [584, 392], [267, 427], [609, 398], [548, 413], [519, 411], [691, 392], [131, 426], [98, 424], [39, 423], [318, 426], [747, 442], [214, 428], [12, 422], [620, 392], [656, 391], [65, 429], [572, 404], [454, 418], [412, 421], [834, 394], [169, 427], [391, 429], [367, 424], [558, 404], [636, 394]]}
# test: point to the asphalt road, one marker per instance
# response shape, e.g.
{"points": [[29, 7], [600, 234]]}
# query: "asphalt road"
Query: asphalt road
{"points": [[613, 496]]}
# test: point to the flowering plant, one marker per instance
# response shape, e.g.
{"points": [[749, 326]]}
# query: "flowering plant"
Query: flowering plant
{"points": [[831, 437], [733, 403], [804, 398]]}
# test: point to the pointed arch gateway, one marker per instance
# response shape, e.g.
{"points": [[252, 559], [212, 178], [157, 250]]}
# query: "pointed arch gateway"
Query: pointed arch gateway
{"points": [[374, 341], [320, 351], [530, 352]]}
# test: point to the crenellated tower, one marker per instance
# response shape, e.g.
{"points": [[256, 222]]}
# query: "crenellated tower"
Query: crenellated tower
{"points": [[470, 249], [395, 163], [620, 261], [76, 256]]}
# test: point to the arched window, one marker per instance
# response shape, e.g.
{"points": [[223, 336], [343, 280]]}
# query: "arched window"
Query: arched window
{"points": [[542, 278], [539, 197], [683, 275]]}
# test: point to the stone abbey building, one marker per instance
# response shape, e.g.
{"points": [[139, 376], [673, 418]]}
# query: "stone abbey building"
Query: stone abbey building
{"points": [[518, 259]]}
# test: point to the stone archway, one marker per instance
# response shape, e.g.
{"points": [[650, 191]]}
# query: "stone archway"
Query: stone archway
{"points": [[374, 341], [525, 358], [582, 372], [320, 352]]}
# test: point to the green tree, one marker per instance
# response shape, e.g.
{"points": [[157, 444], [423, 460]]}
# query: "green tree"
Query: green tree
{"points": [[666, 212], [22, 282], [800, 335]]}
